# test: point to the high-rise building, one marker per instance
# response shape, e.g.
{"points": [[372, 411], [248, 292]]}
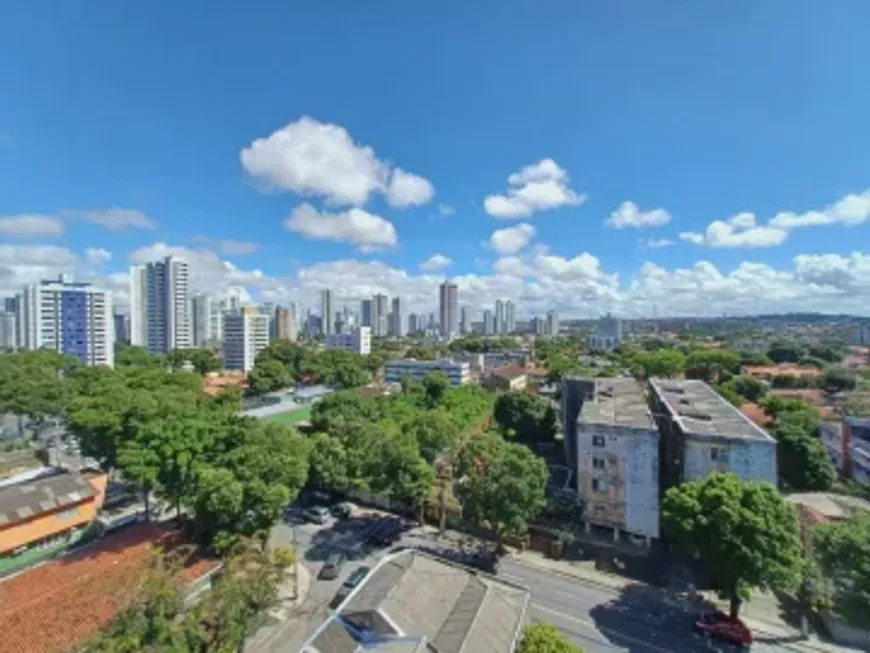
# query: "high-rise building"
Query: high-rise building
{"points": [[122, 327], [365, 313], [488, 323], [608, 335], [449, 309], [285, 325], [71, 318], [359, 341], [246, 334], [397, 319], [465, 321], [538, 326], [160, 306], [499, 316], [7, 331], [380, 315], [413, 326], [327, 313], [552, 324], [510, 318], [201, 321]]}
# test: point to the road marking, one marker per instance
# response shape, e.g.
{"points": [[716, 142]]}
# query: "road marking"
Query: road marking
{"points": [[591, 624]]}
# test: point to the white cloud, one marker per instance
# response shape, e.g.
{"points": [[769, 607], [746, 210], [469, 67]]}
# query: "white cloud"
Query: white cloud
{"points": [[28, 225], [657, 243], [512, 266], [511, 239], [25, 264], [851, 210], [114, 218], [539, 187], [739, 231], [97, 255], [435, 262], [237, 247], [367, 231], [446, 209], [312, 158], [629, 215]]}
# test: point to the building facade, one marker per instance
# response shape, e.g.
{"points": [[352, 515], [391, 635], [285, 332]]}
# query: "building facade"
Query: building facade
{"points": [[553, 326], [510, 317], [848, 445], [160, 306], [701, 432], [358, 340], [380, 315], [488, 323], [365, 313], [608, 335], [457, 373], [500, 324], [285, 324], [397, 319], [246, 334], [70, 318], [327, 313], [465, 321], [448, 309]]}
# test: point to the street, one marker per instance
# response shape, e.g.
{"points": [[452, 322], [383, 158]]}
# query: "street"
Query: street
{"points": [[640, 619]]}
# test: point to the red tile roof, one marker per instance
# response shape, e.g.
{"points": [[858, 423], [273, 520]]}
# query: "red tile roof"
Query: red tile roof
{"points": [[60, 604]]}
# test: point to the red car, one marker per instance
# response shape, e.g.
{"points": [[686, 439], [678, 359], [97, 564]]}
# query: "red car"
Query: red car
{"points": [[721, 626]]}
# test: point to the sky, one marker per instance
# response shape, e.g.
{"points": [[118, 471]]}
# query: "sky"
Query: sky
{"points": [[641, 158]]}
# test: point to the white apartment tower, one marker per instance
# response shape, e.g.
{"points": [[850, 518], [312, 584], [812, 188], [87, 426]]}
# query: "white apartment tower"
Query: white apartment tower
{"points": [[246, 334], [448, 296], [71, 318], [465, 321], [327, 313], [510, 318], [499, 316], [380, 315], [358, 340], [397, 319], [160, 305]]}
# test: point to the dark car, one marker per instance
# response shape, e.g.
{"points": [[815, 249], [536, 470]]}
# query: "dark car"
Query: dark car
{"points": [[347, 586], [332, 567], [342, 510], [721, 626], [316, 514], [387, 533], [486, 561]]}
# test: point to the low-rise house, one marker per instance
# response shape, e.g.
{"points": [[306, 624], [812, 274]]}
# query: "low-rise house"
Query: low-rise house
{"points": [[413, 602], [848, 444], [458, 373], [510, 377]]}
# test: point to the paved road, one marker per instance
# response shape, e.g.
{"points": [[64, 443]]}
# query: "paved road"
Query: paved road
{"points": [[638, 620]]}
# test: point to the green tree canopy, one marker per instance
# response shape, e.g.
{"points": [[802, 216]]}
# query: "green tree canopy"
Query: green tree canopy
{"points": [[745, 532], [269, 375], [712, 365], [530, 418], [666, 363], [804, 463], [785, 352], [839, 379], [748, 387], [842, 550], [541, 637]]}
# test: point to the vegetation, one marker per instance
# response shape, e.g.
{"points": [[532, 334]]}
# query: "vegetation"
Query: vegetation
{"points": [[662, 363], [842, 551], [202, 360], [284, 362], [482, 345], [838, 379], [712, 365], [529, 418], [542, 637], [745, 532]]}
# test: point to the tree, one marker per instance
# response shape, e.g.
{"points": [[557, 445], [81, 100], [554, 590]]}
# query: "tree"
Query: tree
{"points": [[435, 386], [129, 356], [203, 360], [842, 550], [401, 472], [784, 352], [541, 637], [666, 363], [804, 464], [269, 375], [748, 387], [712, 365], [529, 417], [329, 465], [744, 530], [343, 406], [839, 379], [435, 432], [502, 485]]}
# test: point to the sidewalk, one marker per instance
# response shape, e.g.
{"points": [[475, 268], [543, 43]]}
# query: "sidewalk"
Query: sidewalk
{"points": [[286, 625], [761, 613]]}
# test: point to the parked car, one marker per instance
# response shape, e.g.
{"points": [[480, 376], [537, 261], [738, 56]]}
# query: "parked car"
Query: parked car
{"points": [[342, 510], [332, 567], [485, 560], [721, 626], [387, 533], [347, 586], [316, 514]]}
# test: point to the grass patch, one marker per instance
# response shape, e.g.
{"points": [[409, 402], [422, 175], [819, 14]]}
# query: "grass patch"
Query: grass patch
{"points": [[292, 417]]}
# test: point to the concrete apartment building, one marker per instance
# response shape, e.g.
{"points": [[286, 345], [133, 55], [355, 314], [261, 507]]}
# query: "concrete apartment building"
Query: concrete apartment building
{"points": [[359, 341], [448, 309], [608, 334], [848, 445], [457, 373], [160, 306], [246, 334], [701, 432], [613, 445]]}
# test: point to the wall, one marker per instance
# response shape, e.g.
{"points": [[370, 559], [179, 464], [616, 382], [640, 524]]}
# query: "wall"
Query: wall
{"points": [[750, 459]]}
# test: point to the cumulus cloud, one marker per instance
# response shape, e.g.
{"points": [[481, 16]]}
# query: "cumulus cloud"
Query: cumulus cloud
{"points": [[367, 231], [511, 239], [541, 186], [114, 218], [97, 255], [25, 264], [739, 231], [851, 210], [435, 262], [30, 225], [512, 266], [629, 215], [312, 158], [237, 247]]}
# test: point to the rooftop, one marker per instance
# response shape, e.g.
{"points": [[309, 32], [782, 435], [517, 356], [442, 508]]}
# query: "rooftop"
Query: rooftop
{"points": [[701, 412], [415, 602], [33, 497], [617, 402], [510, 372]]}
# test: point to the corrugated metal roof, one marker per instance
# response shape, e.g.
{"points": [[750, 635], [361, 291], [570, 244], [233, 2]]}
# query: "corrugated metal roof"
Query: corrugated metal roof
{"points": [[19, 502]]}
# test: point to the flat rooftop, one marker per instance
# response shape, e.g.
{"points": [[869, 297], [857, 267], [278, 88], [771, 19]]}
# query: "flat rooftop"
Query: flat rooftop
{"points": [[42, 494], [702, 412], [617, 402]]}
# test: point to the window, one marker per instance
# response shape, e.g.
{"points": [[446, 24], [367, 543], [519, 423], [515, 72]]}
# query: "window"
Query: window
{"points": [[600, 485], [598, 441], [719, 454], [598, 463]]}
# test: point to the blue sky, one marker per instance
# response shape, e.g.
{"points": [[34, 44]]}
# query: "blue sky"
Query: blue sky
{"points": [[694, 112]]}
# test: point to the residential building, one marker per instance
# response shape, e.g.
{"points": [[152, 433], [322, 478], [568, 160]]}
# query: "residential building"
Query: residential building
{"points": [[465, 321], [160, 305], [414, 602], [413, 323], [44, 511], [458, 373], [488, 323], [507, 378], [285, 324], [327, 313], [365, 313], [499, 317], [246, 334], [71, 318], [615, 453], [380, 313], [8, 338], [359, 341], [553, 327], [701, 432], [510, 317], [448, 309], [122, 327], [200, 315], [397, 319], [860, 335], [608, 335], [848, 444]]}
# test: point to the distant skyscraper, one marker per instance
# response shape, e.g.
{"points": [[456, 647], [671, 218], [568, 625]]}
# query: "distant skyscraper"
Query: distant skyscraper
{"points": [[246, 334], [201, 319], [449, 309], [413, 327], [122, 327], [465, 321], [380, 315], [510, 320], [488, 323], [365, 313], [499, 316], [538, 326], [70, 318], [285, 325], [327, 313], [160, 306], [397, 319], [8, 339], [552, 324]]}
